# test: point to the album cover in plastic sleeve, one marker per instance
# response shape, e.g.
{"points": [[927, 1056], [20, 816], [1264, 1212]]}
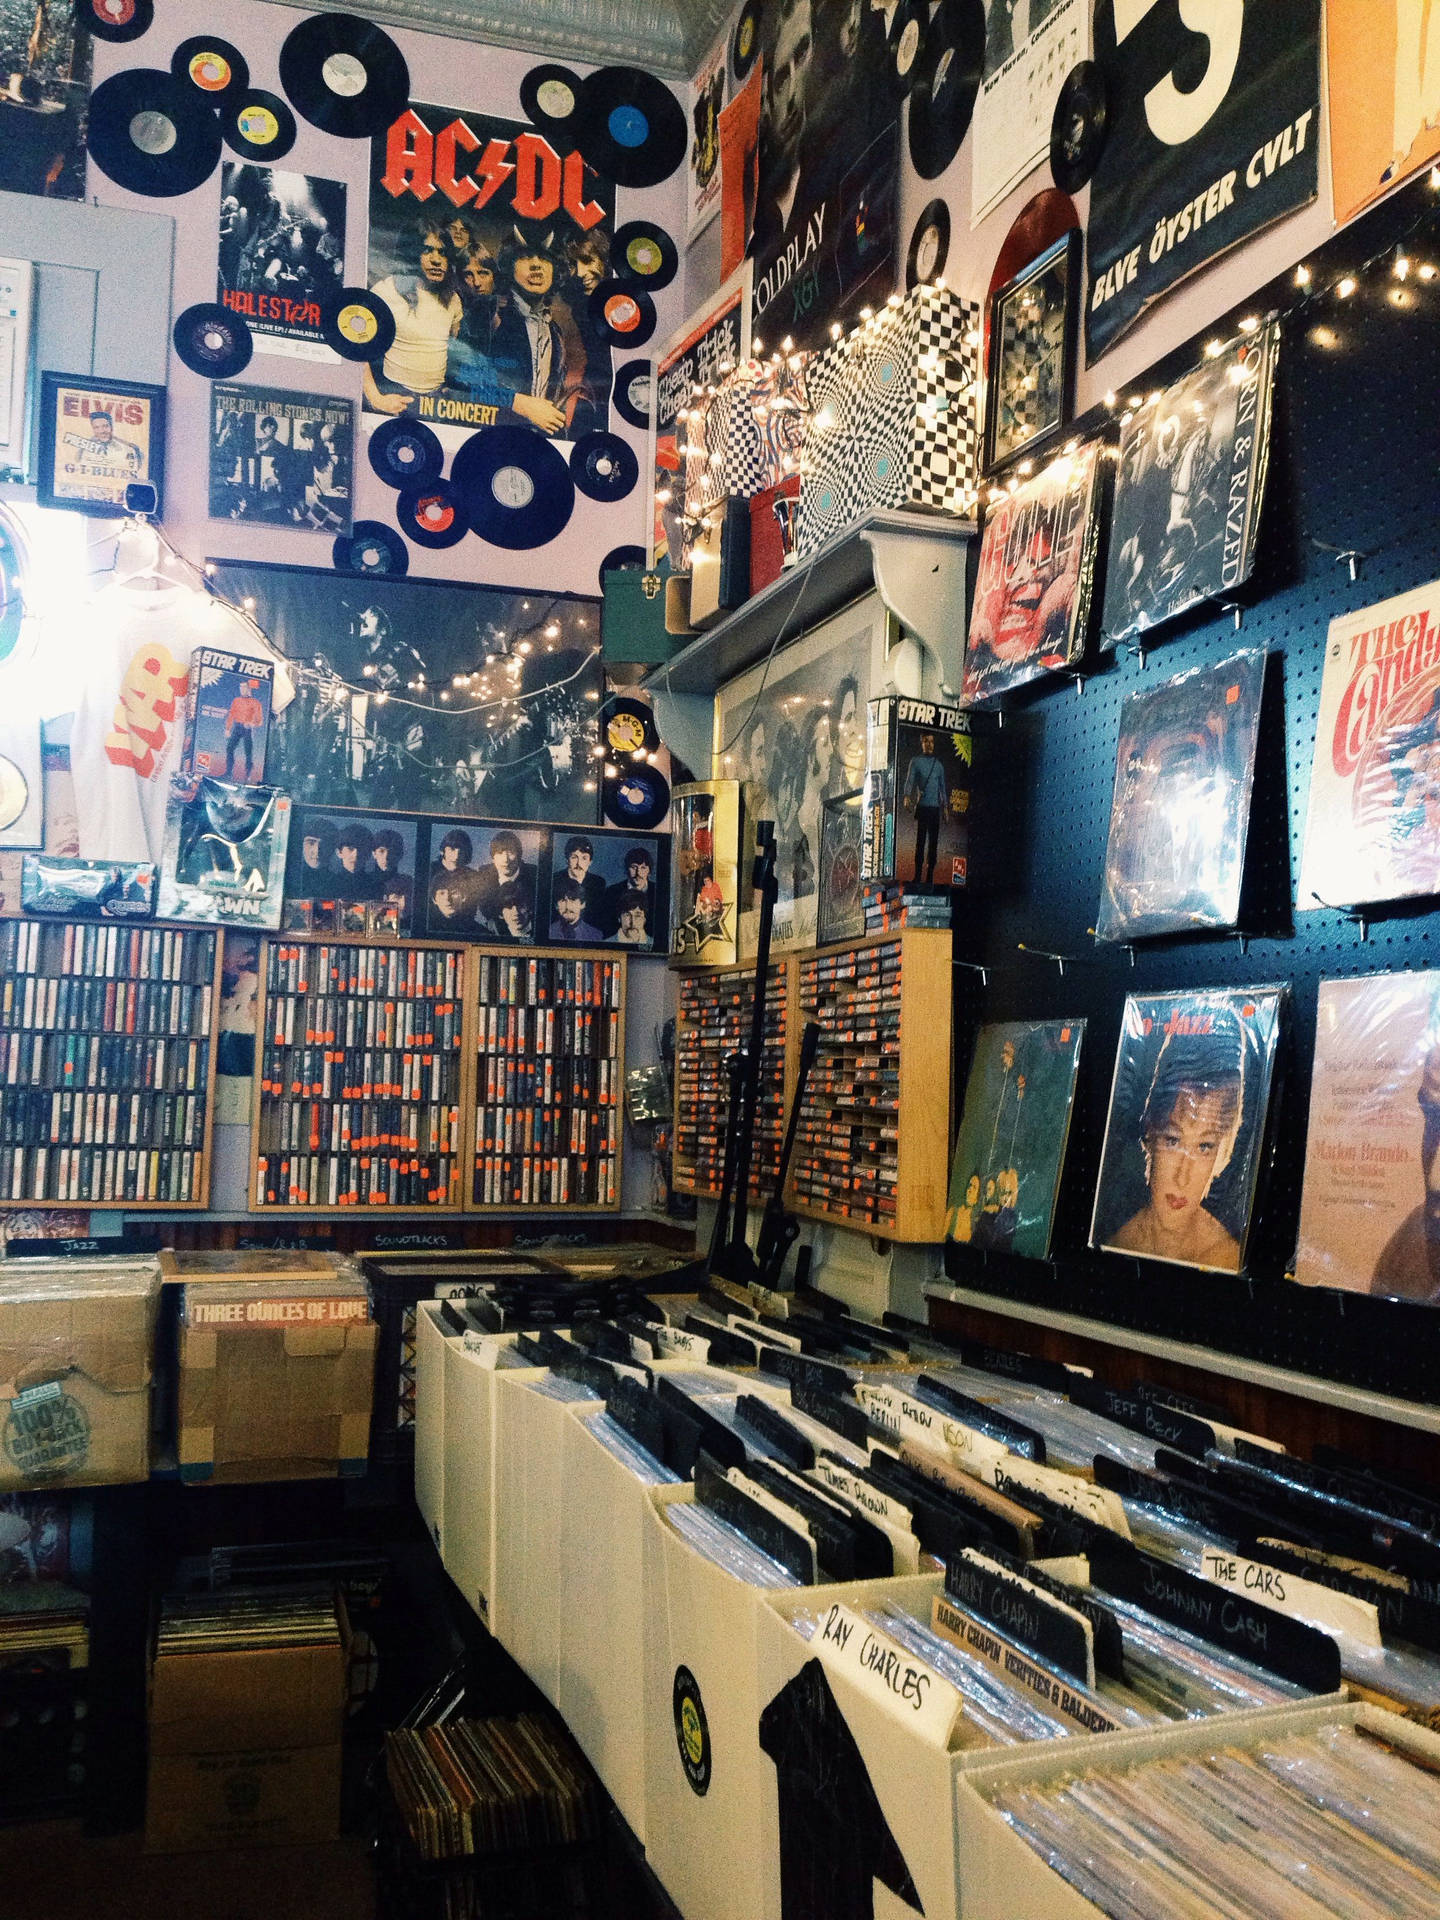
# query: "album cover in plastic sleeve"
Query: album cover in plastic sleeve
{"points": [[1181, 810], [227, 715], [1370, 1217], [224, 856], [705, 850], [1189, 485], [1011, 1146], [1031, 610], [1373, 828], [351, 872], [282, 254], [1185, 1134], [281, 459], [919, 774]]}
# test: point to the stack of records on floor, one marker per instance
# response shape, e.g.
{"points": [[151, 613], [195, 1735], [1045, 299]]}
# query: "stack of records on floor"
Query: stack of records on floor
{"points": [[246, 1622], [490, 1786], [891, 906]]}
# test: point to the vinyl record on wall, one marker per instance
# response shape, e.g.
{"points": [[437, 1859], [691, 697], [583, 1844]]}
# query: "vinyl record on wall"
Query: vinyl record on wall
{"points": [[624, 311], [946, 85], [627, 727], [620, 560], [357, 324], [515, 486], [213, 341], [213, 67], [638, 796], [905, 43], [371, 547], [603, 467], [405, 452], [344, 75], [14, 792], [259, 125], [1077, 131], [642, 251], [550, 96], [630, 127], [745, 41], [631, 392], [115, 19], [929, 245], [152, 134], [433, 514]]}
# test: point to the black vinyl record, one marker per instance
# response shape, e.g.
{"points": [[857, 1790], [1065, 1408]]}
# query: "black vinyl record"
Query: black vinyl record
{"points": [[152, 134], [1077, 131], [259, 125], [405, 453], [631, 392], [625, 312], [905, 43], [515, 485], [115, 19], [356, 324], [550, 96], [745, 41], [433, 514], [630, 127], [929, 244], [627, 727], [371, 547], [944, 93], [638, 797], [213, 341], [213, 67], [642, 251], [603, 467], [620, 559], [344, 74]]}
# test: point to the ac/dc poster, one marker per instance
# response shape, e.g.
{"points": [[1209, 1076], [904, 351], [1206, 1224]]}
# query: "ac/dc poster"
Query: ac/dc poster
{"points": [[1189, 486], [427, 696], [1037, 567], [487, 239], [281, 459], [282, 251], [45, 105], [1214, 133]]}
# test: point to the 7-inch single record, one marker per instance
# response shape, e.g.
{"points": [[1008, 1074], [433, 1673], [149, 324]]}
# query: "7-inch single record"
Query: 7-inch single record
{"points": [[643, 251], [905, 43], [14, 792], [115, 19], [259, 125], [1077, 130], [944, 92], [626, 312], [515, 486], [627, 727], [405, 453], [550, 95], [631, 392], [357, 324], [212, 66], [344, 74], [745, 41], [618, 559], [213, 341], [638, 796], [371, 547], [630, 127], [433, 514], [151, 133], [929, 245], [603, 467]]}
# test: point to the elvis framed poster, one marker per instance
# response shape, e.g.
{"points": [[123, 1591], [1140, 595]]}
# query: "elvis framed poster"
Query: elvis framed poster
{"points": [[97, 438]]}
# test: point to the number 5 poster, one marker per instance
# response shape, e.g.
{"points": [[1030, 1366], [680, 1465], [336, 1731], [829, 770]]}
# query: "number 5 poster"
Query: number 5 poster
{"points": [[1214, 134]]}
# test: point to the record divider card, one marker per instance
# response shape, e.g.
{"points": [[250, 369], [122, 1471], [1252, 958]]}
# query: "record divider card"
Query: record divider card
{"points": [[108, 1042]]}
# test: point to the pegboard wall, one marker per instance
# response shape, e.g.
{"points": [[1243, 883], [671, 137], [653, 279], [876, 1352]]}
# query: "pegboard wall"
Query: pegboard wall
{"points": [[1355, 466]]}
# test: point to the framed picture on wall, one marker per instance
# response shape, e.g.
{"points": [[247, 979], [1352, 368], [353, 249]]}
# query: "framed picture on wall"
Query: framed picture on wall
{"points": [[97, 438], [1030, 369]]}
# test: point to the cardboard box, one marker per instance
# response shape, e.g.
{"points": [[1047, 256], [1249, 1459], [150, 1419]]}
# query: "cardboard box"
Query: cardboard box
{"points": [[274, 1797], [241, 1701], [76, 1339]]}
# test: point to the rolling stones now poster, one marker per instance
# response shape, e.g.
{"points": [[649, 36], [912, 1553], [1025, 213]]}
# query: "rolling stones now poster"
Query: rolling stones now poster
{"points": [[1214, 133]]}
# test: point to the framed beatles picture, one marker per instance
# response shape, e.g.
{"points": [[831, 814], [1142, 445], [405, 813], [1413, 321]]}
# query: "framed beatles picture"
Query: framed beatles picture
{"points": [[351, 871], [98, 437], [1030, 367]]}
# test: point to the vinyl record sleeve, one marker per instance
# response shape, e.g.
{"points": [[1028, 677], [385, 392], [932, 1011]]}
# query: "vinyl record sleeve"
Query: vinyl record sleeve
{"points": [[841, 912], [1031, 610], [1185, 1133], [224, 855], [1180, 814], [1190, 481], [282, 459], [1373, 827], [1013, 1128], [1370, 1154]]}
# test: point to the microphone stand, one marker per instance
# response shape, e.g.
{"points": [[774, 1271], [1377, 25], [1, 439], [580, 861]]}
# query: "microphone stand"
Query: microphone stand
{"points": [[780, 1230]]}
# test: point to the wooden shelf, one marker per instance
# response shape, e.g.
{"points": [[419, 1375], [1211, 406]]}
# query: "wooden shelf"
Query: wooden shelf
{"points": [[915, 561]]}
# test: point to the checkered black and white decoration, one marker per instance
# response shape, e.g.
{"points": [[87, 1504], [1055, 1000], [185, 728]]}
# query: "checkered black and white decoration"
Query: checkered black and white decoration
{"points": [[750, 427]]}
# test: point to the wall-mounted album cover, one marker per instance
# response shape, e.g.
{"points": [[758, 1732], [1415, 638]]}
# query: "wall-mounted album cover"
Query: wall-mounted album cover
{"points": [[1181, 808], [1373, 827], [1028, 52], [704, 902], [607, 889], [227, 715], [841, 913], [351, 872], [1033, 591], [483, 882], [1189, 486], [45, 104], [1186, 1127], [1011, 1146], [919, 778], [378, 720], [1370, 1216], [281, 459], [224, 858], [282, 254], [707, 97]]}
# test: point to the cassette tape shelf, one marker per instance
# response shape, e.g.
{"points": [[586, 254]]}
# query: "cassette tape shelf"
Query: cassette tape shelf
{"points": [[438, 1078], [873, 1142], [107, 1064]]}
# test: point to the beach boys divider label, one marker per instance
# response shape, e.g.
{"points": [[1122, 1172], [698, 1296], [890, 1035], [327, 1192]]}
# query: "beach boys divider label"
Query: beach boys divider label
{"points": [[1214, 134]]}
